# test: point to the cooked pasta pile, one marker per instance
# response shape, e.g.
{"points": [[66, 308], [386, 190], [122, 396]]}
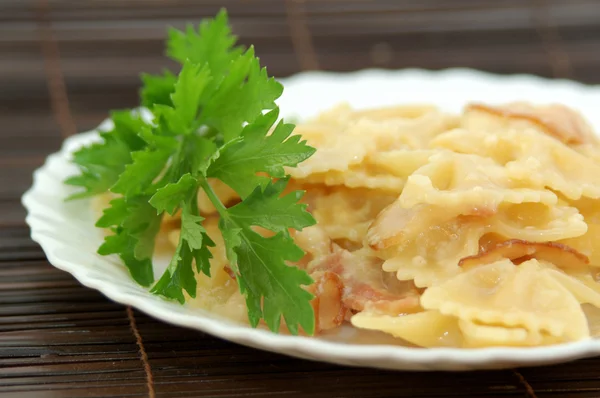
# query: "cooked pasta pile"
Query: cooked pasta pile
{"points": [[468, 230]]}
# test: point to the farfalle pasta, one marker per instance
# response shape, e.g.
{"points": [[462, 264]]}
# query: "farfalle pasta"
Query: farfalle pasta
{"points": [[531, 158], [511, 296], [473, 230], [350, 142]]}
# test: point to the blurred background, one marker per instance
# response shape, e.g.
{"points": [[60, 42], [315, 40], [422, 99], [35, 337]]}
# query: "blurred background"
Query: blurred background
{"points": [[65, 63]]}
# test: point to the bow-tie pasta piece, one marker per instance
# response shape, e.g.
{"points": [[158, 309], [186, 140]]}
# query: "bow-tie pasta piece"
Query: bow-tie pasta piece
{"points": [[347, 213], [427, 243], [345, 137], [432, 256], [404, 112], [343, 113], [339, 147], [423, 243], [402, 162], [581, 285], [477, 336], [329, 132], [458, 180], [478, 142], [592, 314], [589, 209], [587, 291], [530, 157], [386, 171], [526, 221], [359, 176], [555, 120], [414, 125], [588, 242], [561, 169], [537, 222], [503, 294], [424, 329], [591, 151], [396, 224]]}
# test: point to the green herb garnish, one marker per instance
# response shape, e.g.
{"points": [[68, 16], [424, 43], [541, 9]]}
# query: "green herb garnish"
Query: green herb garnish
{"points": [[216, 119]]}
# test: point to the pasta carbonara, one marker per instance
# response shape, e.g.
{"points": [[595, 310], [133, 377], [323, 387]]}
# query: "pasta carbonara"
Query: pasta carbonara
{"points": [[469, 230]]}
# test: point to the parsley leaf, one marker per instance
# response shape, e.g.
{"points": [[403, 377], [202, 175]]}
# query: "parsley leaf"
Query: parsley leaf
{"points": [[185, 98], [146, 165], [191, 229], [215, 119], [272, 288], [157, 89], [135, 225], [237, 164], [101, 163], [138, 218], [193, 244], [268, 209], [244, 93], [211, 44], [169, 197], [178, 276]]}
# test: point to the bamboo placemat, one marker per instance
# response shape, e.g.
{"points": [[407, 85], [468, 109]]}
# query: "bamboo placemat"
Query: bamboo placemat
{"points": [[64, 64]]}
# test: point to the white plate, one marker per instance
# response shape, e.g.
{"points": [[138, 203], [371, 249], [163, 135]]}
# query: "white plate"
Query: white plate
{"points": [[68, 237]]}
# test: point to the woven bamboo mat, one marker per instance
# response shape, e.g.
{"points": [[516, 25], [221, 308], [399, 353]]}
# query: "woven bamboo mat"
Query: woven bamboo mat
{"points": [[64, 64]]}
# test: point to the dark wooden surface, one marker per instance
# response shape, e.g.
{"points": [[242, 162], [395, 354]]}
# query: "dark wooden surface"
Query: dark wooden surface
{"points": [[64, 64]]}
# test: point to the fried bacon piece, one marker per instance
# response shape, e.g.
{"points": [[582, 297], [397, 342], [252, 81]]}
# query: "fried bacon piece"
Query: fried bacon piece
{"points": [[364, 285], [229, 271], [556, 120], [330, 311], [328, 305], [519, 251], [346, 283]]}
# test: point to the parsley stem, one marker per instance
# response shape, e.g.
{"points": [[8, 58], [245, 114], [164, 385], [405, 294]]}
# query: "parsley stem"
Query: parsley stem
{"points": [[221, 209]]}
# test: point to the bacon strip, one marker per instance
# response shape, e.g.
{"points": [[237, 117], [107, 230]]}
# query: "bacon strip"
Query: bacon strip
{"points": [[558, 121], [518, 251], [363, 284], [330, 312], [346, 284]]}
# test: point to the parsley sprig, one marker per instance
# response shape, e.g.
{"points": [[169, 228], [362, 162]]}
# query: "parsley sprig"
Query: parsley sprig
{"points": [[216, 119]]}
